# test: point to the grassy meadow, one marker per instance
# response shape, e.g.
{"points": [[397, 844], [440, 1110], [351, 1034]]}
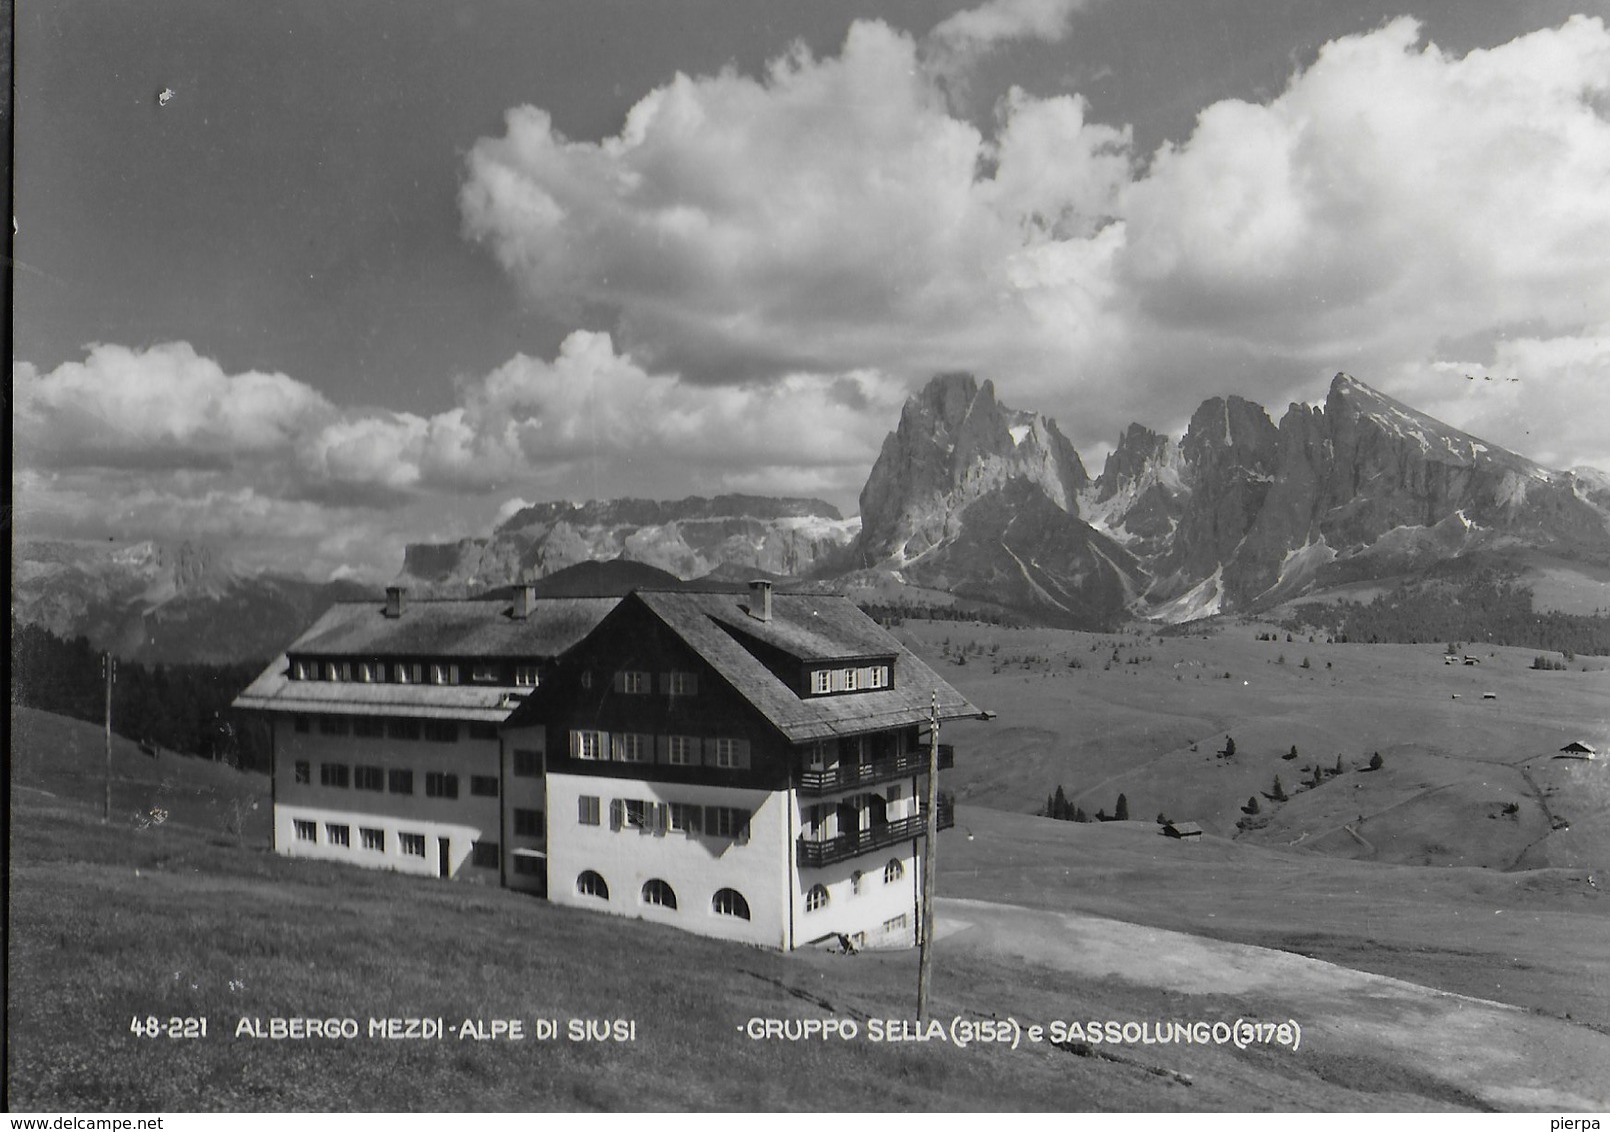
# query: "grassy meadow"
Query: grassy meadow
{"points": [[1147, 717], [113, 922], [1417, 870]]}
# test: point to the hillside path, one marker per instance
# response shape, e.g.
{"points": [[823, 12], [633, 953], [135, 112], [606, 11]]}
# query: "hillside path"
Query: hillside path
{"points": [[1508, 1057]]}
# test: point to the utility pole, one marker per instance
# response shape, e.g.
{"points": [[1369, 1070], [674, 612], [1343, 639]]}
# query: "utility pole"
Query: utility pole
{"points": [[109, 670], [931, 826]]}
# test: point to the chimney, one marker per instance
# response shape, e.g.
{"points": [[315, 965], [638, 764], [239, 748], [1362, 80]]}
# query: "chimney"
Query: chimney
{"points": [[525, 597], [760, 599], [395, 602]]}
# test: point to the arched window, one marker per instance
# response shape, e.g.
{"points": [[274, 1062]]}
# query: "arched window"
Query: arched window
{"points": [[893, 871], [815, 898], [730, 902], [590, 883], [656, 891]]}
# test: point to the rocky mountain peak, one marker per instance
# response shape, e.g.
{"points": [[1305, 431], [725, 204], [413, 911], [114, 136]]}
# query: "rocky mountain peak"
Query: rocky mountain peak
{"points": [[1139, 450], [684, 537], [1230, 430], [955, 443]]}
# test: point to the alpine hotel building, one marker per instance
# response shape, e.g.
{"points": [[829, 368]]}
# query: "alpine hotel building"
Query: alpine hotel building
{"points": [[746, 767]]}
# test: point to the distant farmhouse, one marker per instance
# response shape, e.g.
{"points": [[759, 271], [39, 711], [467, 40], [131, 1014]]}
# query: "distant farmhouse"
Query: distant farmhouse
{"points": [[1182, 829], [748, 767], [1577, 750]]}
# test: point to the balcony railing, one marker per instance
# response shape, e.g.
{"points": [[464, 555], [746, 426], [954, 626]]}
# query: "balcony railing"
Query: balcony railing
{"points": [[815, 854], [878, 770]]}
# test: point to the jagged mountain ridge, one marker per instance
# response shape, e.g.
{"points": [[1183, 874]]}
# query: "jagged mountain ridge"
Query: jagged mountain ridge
{"points": [[162, 602], [688, 538], [980, 500], [1363, 486], [968, 497]]}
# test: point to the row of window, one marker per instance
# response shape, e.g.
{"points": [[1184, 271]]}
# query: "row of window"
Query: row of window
{"points": [[376, 727], [438, 784], [818, 897], [668, 750], [412, 672], [483, 854], [635, 682], [687, 818], [865, 678], [725, 902]]}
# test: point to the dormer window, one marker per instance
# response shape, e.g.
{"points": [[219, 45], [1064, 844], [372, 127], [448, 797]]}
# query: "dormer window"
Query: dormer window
{"points": [[444, 674], [858, 678], [526, 676], [484, 674]]}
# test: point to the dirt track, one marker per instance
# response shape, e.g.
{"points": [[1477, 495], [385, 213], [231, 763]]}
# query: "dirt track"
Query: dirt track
{"points": [[1509, 1058]]}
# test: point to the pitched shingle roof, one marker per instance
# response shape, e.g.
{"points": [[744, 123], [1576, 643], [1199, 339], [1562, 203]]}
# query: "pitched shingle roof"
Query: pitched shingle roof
{"points": [[453, 629], [274, 690], [810, 627], [449, 629]]}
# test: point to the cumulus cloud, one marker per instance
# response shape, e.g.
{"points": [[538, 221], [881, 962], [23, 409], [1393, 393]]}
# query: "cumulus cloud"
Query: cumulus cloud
{"points": [[1392, 195], [835, 214], [774, 260], [825, 217], [956, 44], [316, 485], [164, 406]]}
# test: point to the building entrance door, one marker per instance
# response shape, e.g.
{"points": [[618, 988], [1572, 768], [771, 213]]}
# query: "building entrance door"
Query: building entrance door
{"points": [[444, 857], [850, 820], [877, 812]]}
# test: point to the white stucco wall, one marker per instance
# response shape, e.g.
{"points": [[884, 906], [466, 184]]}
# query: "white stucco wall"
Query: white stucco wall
{"points": [[694, 865], [462, 820], [868, 911], [460, 839]]}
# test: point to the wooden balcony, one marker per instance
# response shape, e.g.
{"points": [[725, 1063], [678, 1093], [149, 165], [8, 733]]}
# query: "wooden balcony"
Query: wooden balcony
{"points": [[815, 854], [847, 775]]}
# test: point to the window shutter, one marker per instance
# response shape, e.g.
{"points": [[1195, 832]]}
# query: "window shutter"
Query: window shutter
{"points": [[662, 749], [740, 750], [617, 813], [619, 681], [575, 744], [695, 819], [665, 683], [615, 747], [661, 819], [743, 830]]}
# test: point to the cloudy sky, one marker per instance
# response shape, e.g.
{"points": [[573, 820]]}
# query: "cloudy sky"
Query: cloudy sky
{"points": [[377, 271]]}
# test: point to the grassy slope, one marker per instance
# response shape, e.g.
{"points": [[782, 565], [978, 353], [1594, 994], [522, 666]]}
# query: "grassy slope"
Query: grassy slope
{"points": [[112, 921], [1130, 728], [1535, 939], [66, 758], [1303, 881]]}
